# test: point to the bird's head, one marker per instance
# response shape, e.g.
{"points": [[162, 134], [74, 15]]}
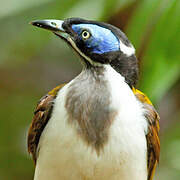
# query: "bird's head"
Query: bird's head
{"points": [[97, 44]]}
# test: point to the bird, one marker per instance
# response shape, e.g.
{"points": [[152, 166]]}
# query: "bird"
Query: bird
{"points": [[98, 126]]}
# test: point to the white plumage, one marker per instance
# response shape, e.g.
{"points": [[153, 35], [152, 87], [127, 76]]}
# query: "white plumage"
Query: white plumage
{"points": [[64, 156]]}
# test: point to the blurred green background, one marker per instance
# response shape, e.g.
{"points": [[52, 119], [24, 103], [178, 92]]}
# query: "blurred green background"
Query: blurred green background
{"points": [[33, 61]]}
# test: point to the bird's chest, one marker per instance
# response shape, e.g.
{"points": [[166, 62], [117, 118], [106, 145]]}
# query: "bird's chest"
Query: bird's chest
{"points": [[90, 136]]}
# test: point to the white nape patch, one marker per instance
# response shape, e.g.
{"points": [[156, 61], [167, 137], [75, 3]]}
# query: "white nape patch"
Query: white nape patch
{"points": [[126, 49], [82, 54]]}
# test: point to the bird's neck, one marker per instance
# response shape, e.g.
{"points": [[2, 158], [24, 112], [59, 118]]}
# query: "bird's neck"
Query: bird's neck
{"points": [[127, 66]]}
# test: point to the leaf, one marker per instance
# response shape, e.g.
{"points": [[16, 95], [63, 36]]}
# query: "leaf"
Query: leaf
{"points": [[160, 65]]}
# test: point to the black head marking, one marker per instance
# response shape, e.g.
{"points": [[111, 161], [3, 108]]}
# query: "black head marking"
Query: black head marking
{"points": [[126, 65]]}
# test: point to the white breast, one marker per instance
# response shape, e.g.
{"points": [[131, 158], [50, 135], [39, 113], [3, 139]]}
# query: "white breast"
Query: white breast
{"points": [[64, 156]]}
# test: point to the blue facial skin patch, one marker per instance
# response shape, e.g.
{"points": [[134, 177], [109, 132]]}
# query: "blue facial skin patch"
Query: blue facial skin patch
{"points": [[101, 41]]}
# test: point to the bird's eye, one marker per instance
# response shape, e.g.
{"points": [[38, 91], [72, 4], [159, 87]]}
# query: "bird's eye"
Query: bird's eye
{"points": [[85, 34]]}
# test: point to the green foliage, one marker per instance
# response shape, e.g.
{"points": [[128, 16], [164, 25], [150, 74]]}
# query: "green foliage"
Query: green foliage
{"points": [[160, 21], [21, 42]]}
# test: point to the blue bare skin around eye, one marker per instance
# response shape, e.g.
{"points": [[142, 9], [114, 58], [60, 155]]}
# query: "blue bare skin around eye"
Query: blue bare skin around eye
{"points": [[102, 40]]}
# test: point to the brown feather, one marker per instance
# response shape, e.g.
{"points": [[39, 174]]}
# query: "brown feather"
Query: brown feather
{"points": [[41, 116], [153, 142]]}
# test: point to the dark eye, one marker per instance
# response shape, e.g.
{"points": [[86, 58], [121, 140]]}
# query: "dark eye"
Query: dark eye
{"points": [[85, 34]]}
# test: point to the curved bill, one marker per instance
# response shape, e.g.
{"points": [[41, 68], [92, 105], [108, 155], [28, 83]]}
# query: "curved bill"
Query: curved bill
{"points": [[52, 25]]}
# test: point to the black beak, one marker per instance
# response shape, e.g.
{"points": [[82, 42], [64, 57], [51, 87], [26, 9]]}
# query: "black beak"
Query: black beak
{"points": [[53, 25]]}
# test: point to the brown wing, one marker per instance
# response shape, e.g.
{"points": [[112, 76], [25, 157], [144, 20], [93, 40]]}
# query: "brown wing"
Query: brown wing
{"points": [[153, 143], [41, 116]]}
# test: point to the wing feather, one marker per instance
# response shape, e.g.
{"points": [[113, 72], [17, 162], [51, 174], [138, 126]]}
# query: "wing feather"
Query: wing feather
{"points": [[41, 117], [153, 142]]}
